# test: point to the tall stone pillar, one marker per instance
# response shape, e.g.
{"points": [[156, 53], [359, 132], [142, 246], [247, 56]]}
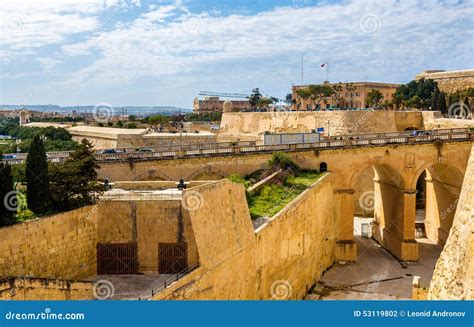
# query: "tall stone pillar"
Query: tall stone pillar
{"points": [[346, 249], [409, 246]]}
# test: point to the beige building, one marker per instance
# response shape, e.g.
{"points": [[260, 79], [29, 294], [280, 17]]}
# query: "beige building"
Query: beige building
{"points": [[353, 95], [215, 104], [450, 81]]}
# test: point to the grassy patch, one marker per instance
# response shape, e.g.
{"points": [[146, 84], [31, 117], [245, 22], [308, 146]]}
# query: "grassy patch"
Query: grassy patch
{"points": [[273, 197]]}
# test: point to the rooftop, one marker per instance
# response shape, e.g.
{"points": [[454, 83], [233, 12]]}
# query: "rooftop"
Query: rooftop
{"points": [[106, 130]]}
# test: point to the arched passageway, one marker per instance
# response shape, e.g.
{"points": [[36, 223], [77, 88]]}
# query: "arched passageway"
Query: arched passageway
{"points": [[439, 187], [323, 167], [390, 208]]}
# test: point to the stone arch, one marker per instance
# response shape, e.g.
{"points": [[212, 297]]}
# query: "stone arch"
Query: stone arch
{"points": [[354, 178], [412, 180], [323, 167], [443, 187], [152, 175], [389, 205], [207, 173]]}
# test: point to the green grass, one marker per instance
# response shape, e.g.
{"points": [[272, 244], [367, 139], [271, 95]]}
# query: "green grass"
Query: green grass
{"points": [[272, 198]]}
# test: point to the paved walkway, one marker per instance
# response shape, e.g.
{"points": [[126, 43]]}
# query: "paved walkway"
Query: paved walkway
{"points": [[377, 274], [131, 287]]}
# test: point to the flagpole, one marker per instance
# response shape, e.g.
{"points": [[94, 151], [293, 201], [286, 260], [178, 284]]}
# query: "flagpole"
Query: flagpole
{"points": [[302, 69]]}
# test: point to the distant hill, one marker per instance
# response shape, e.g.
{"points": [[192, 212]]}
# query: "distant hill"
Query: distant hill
{"points": [[131, 110]]}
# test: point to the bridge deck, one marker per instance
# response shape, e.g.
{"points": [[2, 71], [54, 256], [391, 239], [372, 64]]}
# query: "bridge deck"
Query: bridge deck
{"points": [[242, 148]]}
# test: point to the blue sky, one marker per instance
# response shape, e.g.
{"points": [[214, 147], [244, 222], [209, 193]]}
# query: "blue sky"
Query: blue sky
{"points": [[154, 52]]}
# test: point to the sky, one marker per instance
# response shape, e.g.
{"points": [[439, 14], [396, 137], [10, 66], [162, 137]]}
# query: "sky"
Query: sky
{"points": [[153, 52]]}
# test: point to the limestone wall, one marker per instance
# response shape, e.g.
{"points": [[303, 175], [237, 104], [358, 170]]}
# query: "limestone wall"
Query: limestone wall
{"points": [[250, 125], [26, 288], [450, 81], [59, 246], [454, 272], [147, 223], [279, 260]]}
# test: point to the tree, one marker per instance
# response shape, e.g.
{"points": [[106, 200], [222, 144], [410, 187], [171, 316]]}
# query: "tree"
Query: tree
{"points": [[7, 197], [255, 97], [156, 120], [37, 179], [303, 95], [441, 105], [374, 98], [414, 102], [337, 91], [434, 100], [74, 182], [467, 105], [350, 88], [264, 102], [423, 89], [289, 99], [316, 93]]}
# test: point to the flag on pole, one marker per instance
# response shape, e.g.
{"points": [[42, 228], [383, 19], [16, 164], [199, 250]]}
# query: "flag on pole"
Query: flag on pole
{"points": [[322, 65]]}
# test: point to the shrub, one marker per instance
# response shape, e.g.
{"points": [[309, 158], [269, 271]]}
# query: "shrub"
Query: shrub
{"points": [[283, 161], [24, 215]]}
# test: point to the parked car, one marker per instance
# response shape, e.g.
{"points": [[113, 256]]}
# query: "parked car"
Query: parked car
{"points": [[145, 150], [111, 151], [8, 156]]}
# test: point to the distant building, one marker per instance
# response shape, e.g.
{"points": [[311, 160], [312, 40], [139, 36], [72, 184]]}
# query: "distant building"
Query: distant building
{"points": [[215, 104], [450, 81], [352, 96]]}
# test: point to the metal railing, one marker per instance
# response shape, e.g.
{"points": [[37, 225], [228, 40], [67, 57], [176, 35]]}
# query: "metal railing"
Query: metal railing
{"points": [[165, 284], [344, 141]]}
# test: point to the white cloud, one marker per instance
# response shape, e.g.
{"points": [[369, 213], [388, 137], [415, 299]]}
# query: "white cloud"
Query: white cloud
{"points": [[335, 32], [387, 40]]}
